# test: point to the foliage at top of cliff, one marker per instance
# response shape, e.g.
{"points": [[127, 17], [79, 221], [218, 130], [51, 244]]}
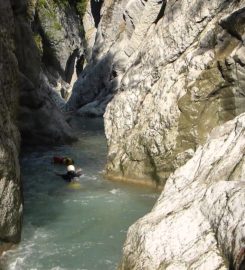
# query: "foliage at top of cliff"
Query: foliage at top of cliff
{"points": [[79, 5]]}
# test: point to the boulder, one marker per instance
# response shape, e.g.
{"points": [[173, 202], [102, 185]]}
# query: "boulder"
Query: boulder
{"points": [[198, 220]]}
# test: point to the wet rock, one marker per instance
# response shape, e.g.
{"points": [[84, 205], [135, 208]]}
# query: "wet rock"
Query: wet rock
{"points": [[198, 221]]}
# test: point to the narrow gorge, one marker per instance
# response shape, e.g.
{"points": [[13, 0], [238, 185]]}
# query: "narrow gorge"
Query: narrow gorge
{"points": [[168, 79]]}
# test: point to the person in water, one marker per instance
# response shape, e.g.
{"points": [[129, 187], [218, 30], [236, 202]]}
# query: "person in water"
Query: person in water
{"points": [[71, 174], [63, 160]]}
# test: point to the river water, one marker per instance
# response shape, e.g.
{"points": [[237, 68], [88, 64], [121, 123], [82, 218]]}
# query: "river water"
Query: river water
{"points": [[75, 229]]}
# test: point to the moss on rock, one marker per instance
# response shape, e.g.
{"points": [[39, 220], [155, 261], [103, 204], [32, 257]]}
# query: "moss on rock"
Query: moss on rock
{"points": [[81, 6], [39, 43]]}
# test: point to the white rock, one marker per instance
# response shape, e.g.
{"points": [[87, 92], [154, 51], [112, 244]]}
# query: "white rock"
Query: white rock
{"points": [[198, 221]]}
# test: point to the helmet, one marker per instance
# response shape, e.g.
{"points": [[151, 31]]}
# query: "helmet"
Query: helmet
{"points": [[68, 161]]}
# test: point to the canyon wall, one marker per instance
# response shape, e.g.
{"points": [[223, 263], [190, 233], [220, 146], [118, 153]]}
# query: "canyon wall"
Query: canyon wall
{"points": [[173, 70], [170, 77], [40, 45], [47, 46], [11, 206], [199, 220], [187, 77]]}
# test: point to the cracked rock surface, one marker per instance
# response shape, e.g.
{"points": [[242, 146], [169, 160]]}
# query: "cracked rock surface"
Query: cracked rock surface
{"points": [[40, 120], [199, 220], [171, 71], [186, 76]]}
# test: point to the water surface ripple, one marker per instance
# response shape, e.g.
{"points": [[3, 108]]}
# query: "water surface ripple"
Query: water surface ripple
{"points": [[67, 229]]}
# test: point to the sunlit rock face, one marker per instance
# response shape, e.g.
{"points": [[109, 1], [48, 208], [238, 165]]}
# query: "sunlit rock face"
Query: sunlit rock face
{"points": [[10, 189], [105, 68], [114, 42], [184, 75], [91, 20], [199, 220], [171, 72]]}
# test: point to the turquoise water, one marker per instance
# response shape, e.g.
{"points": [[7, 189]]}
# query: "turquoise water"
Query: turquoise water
{"points": [[75, 229]]}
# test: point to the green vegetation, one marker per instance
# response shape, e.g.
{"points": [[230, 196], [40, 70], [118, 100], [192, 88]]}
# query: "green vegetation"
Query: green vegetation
{"points": [[57, 26], [48, 10], [42, 3], [62, 3], [81, 7], [39, 43], [49, 15], [48, 4]]}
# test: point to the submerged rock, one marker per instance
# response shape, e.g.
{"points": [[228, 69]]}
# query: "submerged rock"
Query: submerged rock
{"points": [[199, 220]]}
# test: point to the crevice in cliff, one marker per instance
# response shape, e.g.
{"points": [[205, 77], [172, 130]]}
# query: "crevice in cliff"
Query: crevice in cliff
{"points": [[95, 10], [154, 173], [80, 64], [161, 12], [234, 24], [71, 65]]}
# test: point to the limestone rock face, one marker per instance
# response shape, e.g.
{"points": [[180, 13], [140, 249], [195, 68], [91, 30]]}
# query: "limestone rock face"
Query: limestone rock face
{"points": [[10, 187], [91, 21], [40, 119], [184, 75], [172, 71], [110, 54], [199, 220], [99, 78]]}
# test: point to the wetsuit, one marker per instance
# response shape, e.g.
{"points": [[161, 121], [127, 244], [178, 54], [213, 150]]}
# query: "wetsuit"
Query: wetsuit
{"points": [[58, 160], [70, 175], [63, 160]]}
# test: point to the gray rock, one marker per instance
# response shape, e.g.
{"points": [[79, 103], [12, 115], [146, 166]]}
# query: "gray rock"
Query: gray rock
{"points": [[184, 76], [176, 70], [86, 89], [113, 44], [90, 28], [198, 221], [95, 108], [61, 36], [11, 206], [40, 120], [58, 34]]}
